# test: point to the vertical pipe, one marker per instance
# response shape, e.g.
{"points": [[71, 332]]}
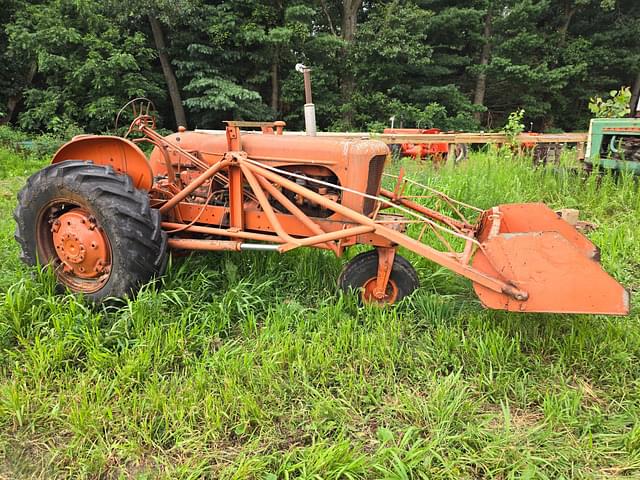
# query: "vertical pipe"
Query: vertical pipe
{"points": [[309, 107], [310, 119], [306, 73]]}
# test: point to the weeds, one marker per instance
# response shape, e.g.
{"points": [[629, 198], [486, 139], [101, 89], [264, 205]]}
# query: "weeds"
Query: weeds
{"points": [[252, 365]]}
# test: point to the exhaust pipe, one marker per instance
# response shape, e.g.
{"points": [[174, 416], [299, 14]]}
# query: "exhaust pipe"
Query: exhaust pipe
{"points": [[309, 107]]}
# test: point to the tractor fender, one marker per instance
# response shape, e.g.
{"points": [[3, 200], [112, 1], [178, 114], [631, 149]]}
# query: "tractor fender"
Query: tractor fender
{"points": [[124, 156]]}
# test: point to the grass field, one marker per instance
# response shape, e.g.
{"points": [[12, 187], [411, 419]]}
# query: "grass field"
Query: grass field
{"points": [[253, 366]]}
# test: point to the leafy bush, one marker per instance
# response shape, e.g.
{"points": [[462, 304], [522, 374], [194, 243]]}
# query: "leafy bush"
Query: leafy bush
{"points": [[514, 126], [615, 107], [10, 137], [43, 145]]}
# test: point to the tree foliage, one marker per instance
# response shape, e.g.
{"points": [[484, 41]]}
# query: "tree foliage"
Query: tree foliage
{"points": [[614, 107], [453, 64]]}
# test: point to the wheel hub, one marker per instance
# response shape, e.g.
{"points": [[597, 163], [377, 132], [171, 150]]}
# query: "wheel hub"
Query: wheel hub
{"points": [[80, 244], [369, 292]]}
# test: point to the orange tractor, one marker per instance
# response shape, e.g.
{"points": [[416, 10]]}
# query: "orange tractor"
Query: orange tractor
{"points": [[104, 216]]}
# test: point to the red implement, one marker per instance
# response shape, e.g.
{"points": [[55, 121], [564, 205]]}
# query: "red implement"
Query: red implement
{"points": [[420, 150]]}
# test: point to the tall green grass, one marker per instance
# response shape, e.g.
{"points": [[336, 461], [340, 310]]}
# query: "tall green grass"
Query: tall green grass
{"points": [[252, 365]]}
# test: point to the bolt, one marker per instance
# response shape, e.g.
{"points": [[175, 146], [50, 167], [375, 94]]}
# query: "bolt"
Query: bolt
{"points": [[82, 269], [379, 295], [94, 245]]}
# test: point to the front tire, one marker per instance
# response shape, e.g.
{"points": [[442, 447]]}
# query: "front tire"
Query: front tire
{"points": [[95, 229], [361, 272]]}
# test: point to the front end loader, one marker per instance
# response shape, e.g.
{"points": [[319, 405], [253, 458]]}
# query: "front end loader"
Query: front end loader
{"points": [[104, 216]]}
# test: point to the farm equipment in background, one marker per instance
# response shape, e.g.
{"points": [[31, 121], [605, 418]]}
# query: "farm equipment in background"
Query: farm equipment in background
{"points": [[614, 144], [103, 215], [542, 153], [437, 151]]}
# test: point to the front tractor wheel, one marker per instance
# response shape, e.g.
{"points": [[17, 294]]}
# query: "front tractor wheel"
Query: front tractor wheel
{"points": [[361, 272], [93, 227]]}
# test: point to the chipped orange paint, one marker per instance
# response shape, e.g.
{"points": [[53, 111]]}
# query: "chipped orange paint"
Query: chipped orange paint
{"points": [[123, 155], [80, 244]]}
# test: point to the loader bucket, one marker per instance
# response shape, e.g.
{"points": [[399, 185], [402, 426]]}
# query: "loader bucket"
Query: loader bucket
{"points": [[531, 248]]}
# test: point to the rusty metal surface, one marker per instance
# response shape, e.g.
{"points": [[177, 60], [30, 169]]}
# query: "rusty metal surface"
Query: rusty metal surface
{"points": [[371, 294], [536, 217], [122, 155], [75, 244], [557, 276], [349, 160], [82, 247], [382, 289], [198, 244]]}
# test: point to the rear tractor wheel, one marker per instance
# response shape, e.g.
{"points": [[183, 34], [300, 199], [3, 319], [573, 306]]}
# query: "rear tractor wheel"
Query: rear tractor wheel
{"points": [[93, 227], [360, 274]]}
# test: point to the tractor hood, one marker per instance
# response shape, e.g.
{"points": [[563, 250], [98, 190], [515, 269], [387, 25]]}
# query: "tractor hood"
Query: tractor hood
{"points": [[279, 150]]}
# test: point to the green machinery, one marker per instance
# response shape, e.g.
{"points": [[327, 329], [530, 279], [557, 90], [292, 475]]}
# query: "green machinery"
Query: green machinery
{"points": [[614, 143]]}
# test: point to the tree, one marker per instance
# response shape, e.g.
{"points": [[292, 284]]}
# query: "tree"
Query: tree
{"points": [[457, 64], [390, 56], [602, 38], [345, 14], [222, 65], [485, 55], [86, 66], [162, 16], [167, 70], [16, 71]]}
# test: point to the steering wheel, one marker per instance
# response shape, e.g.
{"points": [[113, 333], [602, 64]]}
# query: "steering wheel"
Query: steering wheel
{"points": [[143, 111]]}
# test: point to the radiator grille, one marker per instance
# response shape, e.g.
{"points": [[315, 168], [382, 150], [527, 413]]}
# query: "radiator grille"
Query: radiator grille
{"points": [[376, 166]]}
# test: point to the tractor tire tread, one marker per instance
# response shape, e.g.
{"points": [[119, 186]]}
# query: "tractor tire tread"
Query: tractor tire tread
{"points": [[138, 243], [364, 266]]}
